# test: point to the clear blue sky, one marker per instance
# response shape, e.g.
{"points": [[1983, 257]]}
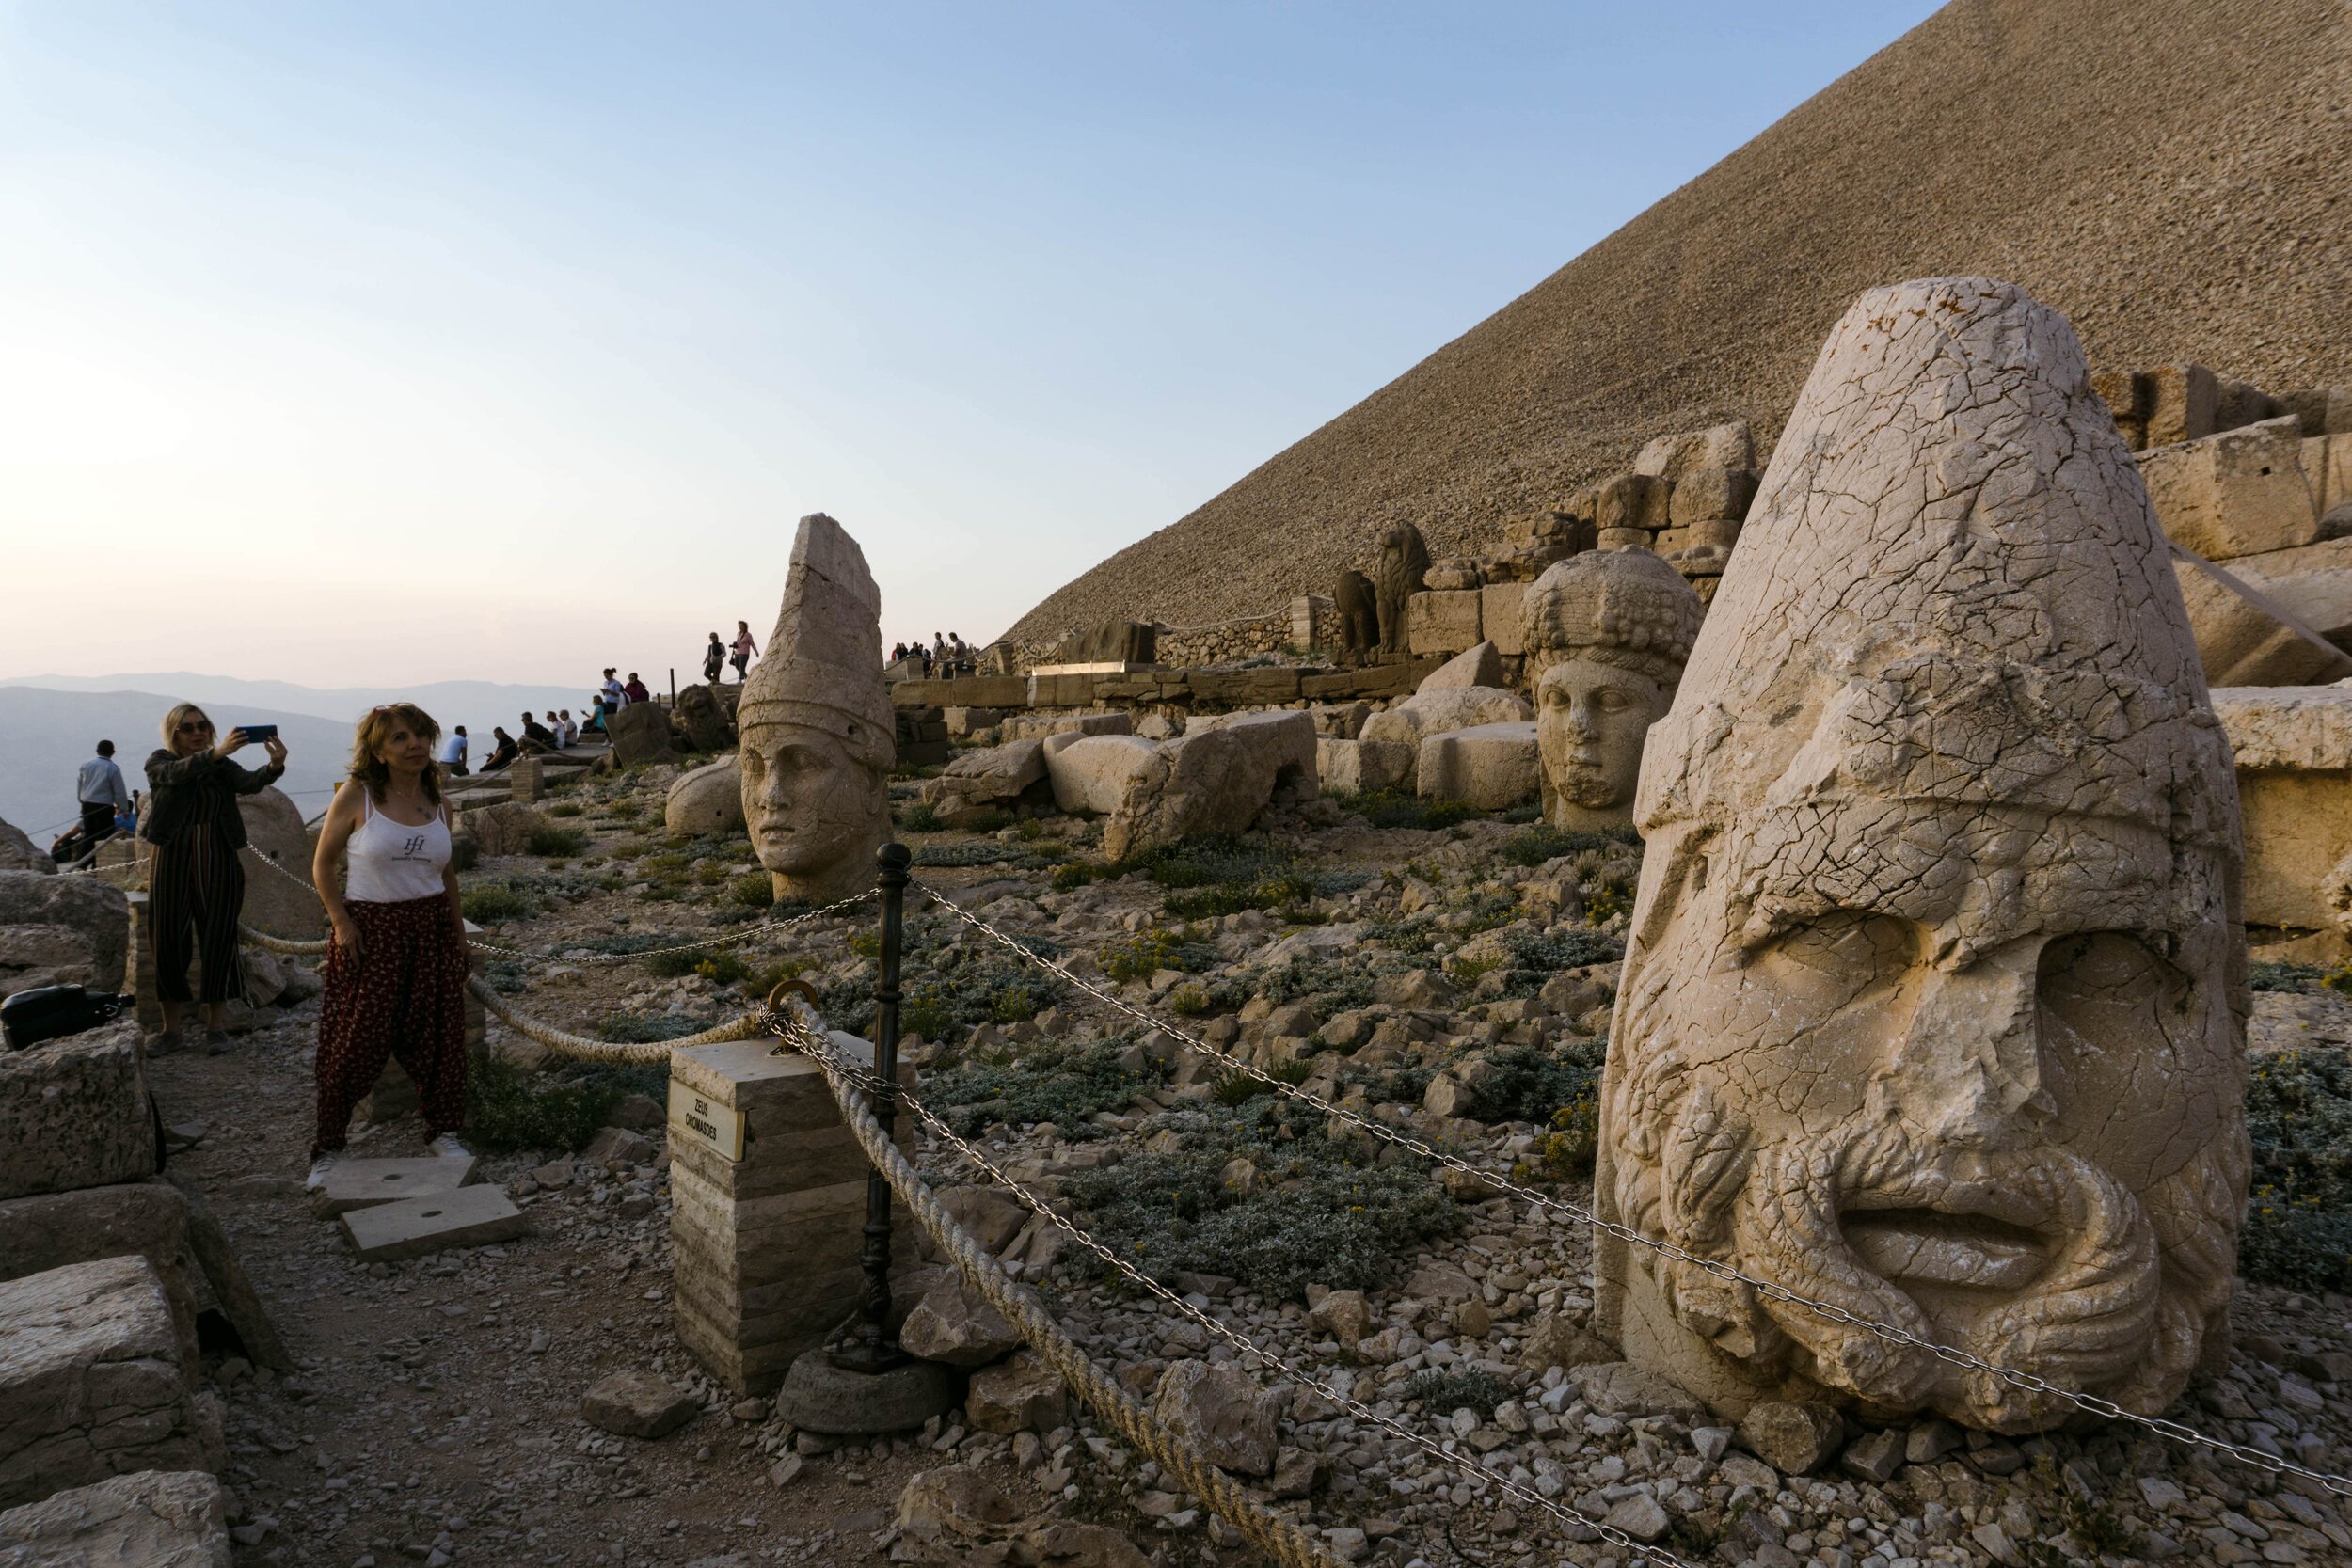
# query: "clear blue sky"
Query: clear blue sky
{"points": [[373, 343]]}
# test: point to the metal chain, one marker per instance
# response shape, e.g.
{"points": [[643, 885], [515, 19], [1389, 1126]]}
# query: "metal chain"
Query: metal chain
{"points": [[809, 1043], [2171, 1431]]}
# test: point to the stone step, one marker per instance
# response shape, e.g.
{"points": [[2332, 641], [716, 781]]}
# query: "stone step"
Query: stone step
{"points": [[365, 1183], [414, 1227]]}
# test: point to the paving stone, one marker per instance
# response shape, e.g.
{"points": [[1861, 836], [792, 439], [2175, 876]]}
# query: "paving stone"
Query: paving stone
{"points": [[470, 1216], [150, 1519], [366, 1183]]}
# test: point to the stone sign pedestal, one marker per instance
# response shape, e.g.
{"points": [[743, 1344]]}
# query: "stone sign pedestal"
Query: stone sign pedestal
{"points": [[767, 1212]]}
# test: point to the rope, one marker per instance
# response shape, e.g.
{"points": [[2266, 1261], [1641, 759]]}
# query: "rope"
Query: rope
{"points": [[2171, 1431], [581, 1048], [1281, 1538]]}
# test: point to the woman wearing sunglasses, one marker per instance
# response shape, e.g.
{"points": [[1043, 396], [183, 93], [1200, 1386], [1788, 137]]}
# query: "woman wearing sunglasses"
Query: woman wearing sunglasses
{"points": [[196, 888]]}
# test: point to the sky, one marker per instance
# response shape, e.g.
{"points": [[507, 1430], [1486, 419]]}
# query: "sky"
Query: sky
{"points": [[356, 345]]}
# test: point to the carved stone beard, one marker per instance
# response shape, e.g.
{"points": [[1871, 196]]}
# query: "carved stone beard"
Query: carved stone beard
{"points": [[2118, 1304]]}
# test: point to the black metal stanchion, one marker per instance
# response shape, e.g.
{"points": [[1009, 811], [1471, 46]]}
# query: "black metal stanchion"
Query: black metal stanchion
{"points": [[870, 1347]]}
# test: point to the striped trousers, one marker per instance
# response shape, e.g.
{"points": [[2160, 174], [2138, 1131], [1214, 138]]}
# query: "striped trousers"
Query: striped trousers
{"points": [[196, 893]]}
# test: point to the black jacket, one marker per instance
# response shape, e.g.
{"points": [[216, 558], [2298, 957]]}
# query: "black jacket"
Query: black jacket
{"points": [[199, 791]]}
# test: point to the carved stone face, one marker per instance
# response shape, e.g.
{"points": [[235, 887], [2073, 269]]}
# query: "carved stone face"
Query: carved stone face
{"points": [[1964, 1069], [816, 813], [1590, 722]]}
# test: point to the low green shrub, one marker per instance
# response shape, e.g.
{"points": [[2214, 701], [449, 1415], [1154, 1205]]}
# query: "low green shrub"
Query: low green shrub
{"points": [[1395, 808], [564, 808], [920, 818], [556, 841], [1536, 844], [642, 1029], [1065, 1084], [753, 890], [510, 1107], [1146, 953], [1076, 874], [1442, 1392], [1572, 1145], [488, 903], [2299, 1224]]}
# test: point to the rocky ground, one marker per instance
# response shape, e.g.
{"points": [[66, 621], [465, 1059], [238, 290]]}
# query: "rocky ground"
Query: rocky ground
{"points": [[1450, 977]]}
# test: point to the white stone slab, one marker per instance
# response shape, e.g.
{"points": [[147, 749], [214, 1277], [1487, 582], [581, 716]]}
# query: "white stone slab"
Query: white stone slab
{"points": [[365, 1183], [470, 1216]]}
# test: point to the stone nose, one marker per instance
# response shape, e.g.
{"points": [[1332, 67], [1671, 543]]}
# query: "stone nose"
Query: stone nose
{"points": [[1967, 1068]]}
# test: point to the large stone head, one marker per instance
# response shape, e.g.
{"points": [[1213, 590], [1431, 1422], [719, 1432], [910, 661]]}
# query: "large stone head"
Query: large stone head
{"points": [[1605, 637], [1933, 1011], [815, 724]]}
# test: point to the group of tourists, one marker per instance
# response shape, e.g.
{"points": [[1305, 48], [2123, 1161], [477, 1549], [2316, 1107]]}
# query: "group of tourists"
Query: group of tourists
{"points": [[947, 652], [396, 961], [719, 654]]}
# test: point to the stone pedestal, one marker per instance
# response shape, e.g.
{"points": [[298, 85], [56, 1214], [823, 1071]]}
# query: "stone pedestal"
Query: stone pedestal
{"points": [[767, 1191], [527, 779]]}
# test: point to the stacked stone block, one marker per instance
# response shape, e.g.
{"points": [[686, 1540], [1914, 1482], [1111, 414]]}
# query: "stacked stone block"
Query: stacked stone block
{"points": [[767, 1246]]}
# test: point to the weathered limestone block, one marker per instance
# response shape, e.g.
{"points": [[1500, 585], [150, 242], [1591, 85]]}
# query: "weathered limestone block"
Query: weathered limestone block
{"points": [[1219, 1413], [706, 801], [1097, 772], [986, 780], [150, 1219], [2239, 493], [1340, 721], [2293, 746], [274, 830], [74, 1114], [2312, 583], [816, 724], [2242, 633], [1444, 621], [1634, 501], [1719, 447], [33, 956], [1434, 712], [2182, 401], [1492, 767], [1480, 665], [767, 1245], [99, 912], [1038, 726], [1836, 1066], [1605, 634], [954, 1325], [1711, 495], [640, 733], [1218, 777], [1361, 767], [1498, 618], [2327, 470], [148, 1519], [19, 853], [91, 1383]]}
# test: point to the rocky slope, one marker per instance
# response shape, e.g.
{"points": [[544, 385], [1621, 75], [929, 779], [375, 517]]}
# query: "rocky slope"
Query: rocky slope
{"points": [[2168, 172]]}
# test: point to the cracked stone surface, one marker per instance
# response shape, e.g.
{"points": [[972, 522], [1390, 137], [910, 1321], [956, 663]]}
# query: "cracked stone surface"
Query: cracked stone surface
{"points": [[1934, 1008]]}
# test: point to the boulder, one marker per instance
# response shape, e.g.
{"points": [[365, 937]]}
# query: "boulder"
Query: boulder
{"points": [[986, 780], [1443, 620], [1343, 1315], [991, 1217], [273, 831], [952, 1324], [1340, 721], [148, 1519], [1219, 1413], [148, 1219], [706, 801], [2293, 749], [19, 853], [32, 956], [1622, 1388], [1020, 1395], [1363, 766], [640, 733], [944, 1514], [1492, 767], [1673, 457], [1792, 1438], [636, 1404], [99, 912], [1218, 780], [74, 1113], [91, 1383], [2242, 634], [1436, 712], [1037, 726], [2242, 492], [1095, 773], [504, 828], [1478, 666], [1561, 1342]]}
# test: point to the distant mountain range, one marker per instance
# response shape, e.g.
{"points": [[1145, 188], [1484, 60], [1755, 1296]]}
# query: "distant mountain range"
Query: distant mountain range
{"points": [[49, 726]]}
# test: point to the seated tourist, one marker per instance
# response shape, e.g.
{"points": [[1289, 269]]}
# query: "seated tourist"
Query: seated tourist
{"points": [[502, 753]]}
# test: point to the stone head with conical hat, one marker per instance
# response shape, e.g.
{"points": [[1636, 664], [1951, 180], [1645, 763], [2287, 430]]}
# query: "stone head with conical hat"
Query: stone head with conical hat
{"points": [[816, 724], [1933, 1012], [1605, 633]]}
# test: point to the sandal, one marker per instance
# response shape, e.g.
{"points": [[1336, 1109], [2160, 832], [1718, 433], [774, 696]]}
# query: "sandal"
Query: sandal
{"points": [[215, 1042]]}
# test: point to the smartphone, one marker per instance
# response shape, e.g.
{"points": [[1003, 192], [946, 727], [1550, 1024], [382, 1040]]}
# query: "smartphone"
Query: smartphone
{"points": [[259, 733]]}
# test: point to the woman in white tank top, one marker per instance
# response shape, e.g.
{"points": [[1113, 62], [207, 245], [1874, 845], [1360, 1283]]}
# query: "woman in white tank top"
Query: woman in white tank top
{"points": [[396, 966]]}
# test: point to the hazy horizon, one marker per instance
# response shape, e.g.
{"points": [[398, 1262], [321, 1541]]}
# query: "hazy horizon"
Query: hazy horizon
{"points": [[397, 344]]}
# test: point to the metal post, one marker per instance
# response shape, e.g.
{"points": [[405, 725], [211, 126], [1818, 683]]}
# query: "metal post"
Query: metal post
{"points": [[871, 1346]]}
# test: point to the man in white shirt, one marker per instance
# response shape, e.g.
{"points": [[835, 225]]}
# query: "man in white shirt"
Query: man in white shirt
{"points": [[453, 757], [100, 788]]}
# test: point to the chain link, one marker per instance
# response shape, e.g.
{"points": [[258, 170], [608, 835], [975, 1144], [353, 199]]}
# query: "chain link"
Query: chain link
{"points": [[809, 1043], [2171, 1431]]}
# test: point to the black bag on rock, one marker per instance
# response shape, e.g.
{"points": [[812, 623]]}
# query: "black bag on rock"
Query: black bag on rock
{"points": [[51, 1012]]}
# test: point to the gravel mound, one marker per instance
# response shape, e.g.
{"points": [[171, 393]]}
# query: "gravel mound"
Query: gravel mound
{"points": [[2170, 173]]}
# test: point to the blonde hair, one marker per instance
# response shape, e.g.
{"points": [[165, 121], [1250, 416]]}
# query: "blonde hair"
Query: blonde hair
{"points": [[171, 724], [375, 726]]}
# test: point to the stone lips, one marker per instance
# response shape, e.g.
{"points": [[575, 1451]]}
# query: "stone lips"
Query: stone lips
{"points": [[1711, 304]]}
